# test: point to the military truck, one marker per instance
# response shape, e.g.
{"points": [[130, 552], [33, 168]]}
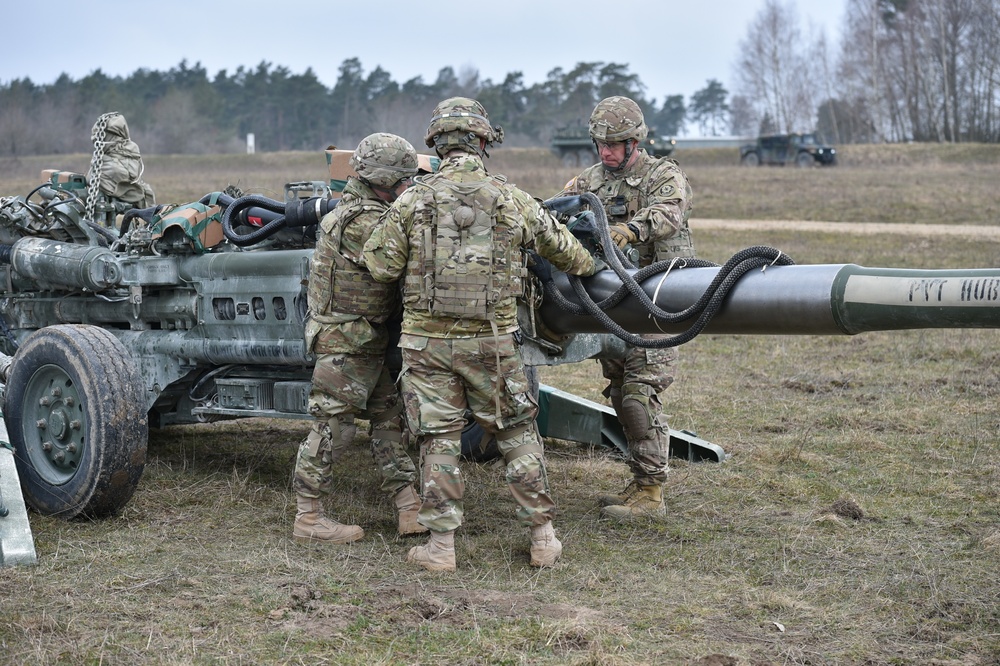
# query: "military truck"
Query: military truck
{"points": [[573, 145], [802, 150]]}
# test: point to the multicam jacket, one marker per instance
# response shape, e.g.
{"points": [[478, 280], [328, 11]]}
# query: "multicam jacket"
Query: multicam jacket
{"points": [[347, 308], [654, 195], [433, 238]]}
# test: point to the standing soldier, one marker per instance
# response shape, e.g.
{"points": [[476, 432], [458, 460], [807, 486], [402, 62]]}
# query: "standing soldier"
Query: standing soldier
{"points": [[346, 330], [648, 202], [457, 239]]}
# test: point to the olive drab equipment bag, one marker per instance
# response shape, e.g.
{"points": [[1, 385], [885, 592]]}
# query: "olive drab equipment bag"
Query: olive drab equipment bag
{"points": [[471, 253]]}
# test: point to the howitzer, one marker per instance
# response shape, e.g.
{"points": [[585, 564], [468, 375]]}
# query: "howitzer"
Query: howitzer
{"points": [[196, 313]]}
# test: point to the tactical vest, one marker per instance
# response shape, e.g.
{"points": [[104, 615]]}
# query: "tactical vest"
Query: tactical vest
{"points": [[624, 197], [337, 283], [470, 252]]}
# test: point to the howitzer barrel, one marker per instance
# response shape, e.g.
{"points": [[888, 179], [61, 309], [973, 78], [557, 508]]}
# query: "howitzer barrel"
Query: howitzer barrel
{"points": [[825, 299]]}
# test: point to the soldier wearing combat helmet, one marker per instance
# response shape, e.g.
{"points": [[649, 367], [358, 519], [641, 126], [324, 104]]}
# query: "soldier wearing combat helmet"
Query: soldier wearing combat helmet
{"points": [[457, 239], [346, 329], [647, 202]]}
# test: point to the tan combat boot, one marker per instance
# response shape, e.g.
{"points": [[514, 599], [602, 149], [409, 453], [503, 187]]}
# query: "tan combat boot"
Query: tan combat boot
{"points": [[437, 555], [545, 547], [621, 498], [648, 501], [312, 525], [408, 505]]}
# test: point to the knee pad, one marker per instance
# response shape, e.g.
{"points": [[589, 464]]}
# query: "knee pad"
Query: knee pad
{"points": [[636, 415]]}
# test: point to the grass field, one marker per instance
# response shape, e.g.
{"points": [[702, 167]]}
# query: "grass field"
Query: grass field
{"points": [[856, 521]]}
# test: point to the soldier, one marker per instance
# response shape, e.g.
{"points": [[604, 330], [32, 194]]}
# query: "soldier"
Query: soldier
{"points": [[346, 330], [648, 202], [457, 240]]}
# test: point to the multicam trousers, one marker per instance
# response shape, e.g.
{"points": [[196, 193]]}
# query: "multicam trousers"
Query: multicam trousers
{"points": [[441, 382], [352, 384], [635, 383]]}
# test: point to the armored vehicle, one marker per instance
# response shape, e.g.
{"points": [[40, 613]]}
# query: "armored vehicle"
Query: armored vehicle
{"points": [[573, 145], [802, 150]]}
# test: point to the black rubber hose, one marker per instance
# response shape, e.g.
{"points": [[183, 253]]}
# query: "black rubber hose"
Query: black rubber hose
{"points": [[705, 307], [277, 215], [146, 214], [253, 200], [713, 298]]}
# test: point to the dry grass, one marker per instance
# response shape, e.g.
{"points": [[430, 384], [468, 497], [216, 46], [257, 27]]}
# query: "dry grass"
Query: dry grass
{"points": [[856, 521]]}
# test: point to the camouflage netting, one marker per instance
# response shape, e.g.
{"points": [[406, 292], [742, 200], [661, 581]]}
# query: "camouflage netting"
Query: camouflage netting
{"points": [[120, 164]]}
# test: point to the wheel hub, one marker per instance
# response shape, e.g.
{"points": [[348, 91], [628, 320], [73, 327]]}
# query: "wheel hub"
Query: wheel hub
{"points": [[54, 432]]}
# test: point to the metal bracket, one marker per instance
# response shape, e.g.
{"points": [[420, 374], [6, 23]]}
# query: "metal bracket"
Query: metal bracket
{"points": [[563, 415], [16, 544]]}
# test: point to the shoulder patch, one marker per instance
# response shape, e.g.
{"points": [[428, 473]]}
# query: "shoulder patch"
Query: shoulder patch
{"points": [[667, 190]]}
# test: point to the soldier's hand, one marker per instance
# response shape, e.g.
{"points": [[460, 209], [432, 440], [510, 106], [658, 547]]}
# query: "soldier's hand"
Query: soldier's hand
{"points": [[624, 234], [539, 265]]}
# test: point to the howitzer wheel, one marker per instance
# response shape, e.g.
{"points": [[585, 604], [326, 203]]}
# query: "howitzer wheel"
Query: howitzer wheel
{"points": [[77, 421]]}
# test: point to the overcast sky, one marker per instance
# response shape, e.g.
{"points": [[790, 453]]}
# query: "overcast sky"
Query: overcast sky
{"points": [[674, 46]]}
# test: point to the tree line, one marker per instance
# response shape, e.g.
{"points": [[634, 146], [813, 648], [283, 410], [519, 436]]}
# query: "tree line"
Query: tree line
{"points": [[905, 70], [184, 110]]}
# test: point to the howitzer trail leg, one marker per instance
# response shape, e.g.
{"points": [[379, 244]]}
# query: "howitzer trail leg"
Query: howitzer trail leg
{"points": [[16, 544]]}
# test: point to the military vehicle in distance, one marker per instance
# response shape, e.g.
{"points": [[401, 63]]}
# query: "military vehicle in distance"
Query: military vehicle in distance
{"points": [[802, 150], [573, 145]]}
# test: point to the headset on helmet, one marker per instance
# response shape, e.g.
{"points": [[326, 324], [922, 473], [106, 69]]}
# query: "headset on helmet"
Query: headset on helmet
{"points": [[382, 160], [459, 122], [617, 119]]}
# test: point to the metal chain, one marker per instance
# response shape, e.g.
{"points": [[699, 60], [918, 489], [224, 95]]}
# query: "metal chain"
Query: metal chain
{"points": [[96, 164]]}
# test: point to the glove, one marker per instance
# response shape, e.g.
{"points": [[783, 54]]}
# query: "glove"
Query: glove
{"points": [[539, 265], [624, 234], [583, 225], [599, 265]]}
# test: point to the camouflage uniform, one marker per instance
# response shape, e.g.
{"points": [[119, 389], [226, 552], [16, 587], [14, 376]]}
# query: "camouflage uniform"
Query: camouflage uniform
{"points": [[460, 313], [653, 196], [350, 376]]}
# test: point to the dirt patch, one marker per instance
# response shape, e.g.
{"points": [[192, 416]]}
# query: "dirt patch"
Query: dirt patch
{"points": [[972, 231], [409, 606]]}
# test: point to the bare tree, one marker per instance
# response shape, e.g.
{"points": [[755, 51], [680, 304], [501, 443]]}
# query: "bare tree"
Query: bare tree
{"points": [[773, 70]]}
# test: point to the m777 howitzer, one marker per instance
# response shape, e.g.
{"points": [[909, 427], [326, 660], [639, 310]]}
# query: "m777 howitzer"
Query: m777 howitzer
{"points": [[193, 313]]}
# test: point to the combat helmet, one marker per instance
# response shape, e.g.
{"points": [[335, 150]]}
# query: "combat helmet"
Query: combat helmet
{"points": [[382, 160], [617, 119], [459, 122]]}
